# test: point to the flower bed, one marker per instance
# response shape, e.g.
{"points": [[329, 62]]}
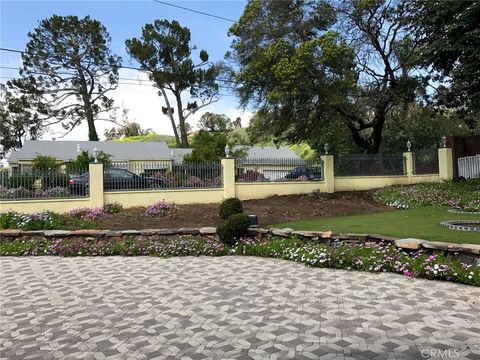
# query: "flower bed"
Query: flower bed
{"points": [[79, 218], [366, 256], [464, 195]]}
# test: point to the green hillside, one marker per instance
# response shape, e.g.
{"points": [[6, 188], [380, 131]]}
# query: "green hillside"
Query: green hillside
{"points": [[169, 139]]}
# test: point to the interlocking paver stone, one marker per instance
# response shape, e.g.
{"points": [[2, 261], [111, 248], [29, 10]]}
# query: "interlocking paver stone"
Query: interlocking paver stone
{"points": [[227, 307]]}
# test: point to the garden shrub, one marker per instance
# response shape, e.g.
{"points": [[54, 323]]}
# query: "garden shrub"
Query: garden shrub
{"points": [[22, 181], [45, 163], [54, 179], [194, 181], [229, 207], [249, 176], [113, 208], [234, 229]]}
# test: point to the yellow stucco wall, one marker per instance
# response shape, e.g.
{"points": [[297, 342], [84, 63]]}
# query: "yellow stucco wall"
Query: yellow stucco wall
{"points": [[33, 206], [375, 182], [248, 191], [183, 196]]}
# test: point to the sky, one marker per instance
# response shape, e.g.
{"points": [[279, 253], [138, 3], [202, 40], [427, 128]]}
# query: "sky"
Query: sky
{"points": [[124, 20]]}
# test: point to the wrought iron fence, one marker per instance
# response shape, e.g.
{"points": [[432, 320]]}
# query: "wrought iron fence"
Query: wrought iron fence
{"points": [[425, 161], [369, 165], [162, 175], [36, 184], [278, 170]]}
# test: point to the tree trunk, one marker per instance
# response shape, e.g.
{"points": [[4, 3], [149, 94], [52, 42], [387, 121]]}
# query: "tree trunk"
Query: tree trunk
{"points": [[377, 128], [371, 144], [87, 106], [172, 119], [181, 120], [92, 132]]}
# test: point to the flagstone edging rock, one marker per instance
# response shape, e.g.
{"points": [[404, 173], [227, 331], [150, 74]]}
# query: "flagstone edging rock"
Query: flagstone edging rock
{"points": [[322, 237]]}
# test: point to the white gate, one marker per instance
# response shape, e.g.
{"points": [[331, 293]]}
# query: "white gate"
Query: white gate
{"points": [[469, 166]]}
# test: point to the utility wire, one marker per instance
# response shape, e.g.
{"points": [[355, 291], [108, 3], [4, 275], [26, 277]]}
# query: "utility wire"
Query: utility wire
{"points": [[139, 83], [120, 67], [195, 11]]}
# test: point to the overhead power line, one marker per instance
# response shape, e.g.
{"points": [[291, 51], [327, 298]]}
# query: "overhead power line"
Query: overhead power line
{"points": [[195, 11], [120, 67], [137, 83]]}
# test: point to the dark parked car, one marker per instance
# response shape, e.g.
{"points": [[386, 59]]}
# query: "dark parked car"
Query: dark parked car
{"points": [[115, 179], [310, 173]]}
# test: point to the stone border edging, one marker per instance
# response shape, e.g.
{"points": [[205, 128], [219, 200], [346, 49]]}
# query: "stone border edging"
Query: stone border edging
{"points": [[324, 237], [457, 225], [455, 211]]}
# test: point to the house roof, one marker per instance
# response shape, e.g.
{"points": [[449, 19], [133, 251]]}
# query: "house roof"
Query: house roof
{"points": [[178, 154], [269, 155], [270, 152], [67, 150], [149, 151]]}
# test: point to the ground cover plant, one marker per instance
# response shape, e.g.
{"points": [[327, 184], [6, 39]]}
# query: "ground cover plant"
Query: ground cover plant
{"points": [[371, 257], [79, 218], [463, 195], [422, 222], [160, 208]]}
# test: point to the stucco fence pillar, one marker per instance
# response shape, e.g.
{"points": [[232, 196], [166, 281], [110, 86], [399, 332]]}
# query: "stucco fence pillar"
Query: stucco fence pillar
{"points": [[228, 165], [409, 166], [95, 185], [445, 163], [328, 173]]}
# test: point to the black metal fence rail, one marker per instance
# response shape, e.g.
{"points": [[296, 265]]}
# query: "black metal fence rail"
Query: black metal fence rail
{"points": [[41, 184], [249, 170], [162, 175], [425, 161], [369, 165]]}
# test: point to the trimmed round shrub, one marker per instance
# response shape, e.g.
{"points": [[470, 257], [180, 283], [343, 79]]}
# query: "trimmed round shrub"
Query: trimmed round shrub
{"points": [[235, 228], [230, 207]]}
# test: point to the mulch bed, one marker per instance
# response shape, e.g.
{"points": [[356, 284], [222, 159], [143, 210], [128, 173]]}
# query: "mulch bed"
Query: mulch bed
{"points": [[274, 210]]}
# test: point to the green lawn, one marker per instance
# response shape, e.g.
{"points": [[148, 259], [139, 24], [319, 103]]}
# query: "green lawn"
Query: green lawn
{"points": [[420, 223]]}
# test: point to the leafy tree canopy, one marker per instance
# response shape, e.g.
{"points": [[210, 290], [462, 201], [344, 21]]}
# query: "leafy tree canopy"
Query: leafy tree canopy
{"points": [[207, 147], [449, 34], [68, 64], [210, 147], [310, 65], [164, 50], [45, 163], [215, 122], [85, 158], [18, 120]]}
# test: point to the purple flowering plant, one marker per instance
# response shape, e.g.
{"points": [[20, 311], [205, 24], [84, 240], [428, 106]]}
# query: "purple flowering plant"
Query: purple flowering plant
{"points": [[160, 208], [463, 195]]}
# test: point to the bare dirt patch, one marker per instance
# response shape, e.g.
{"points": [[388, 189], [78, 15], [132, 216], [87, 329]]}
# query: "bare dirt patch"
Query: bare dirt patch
{"points": [[274, 210]]}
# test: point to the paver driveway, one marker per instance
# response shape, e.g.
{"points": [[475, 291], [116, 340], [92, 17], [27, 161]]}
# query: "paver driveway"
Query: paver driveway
{"points": [[228, 307]]}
